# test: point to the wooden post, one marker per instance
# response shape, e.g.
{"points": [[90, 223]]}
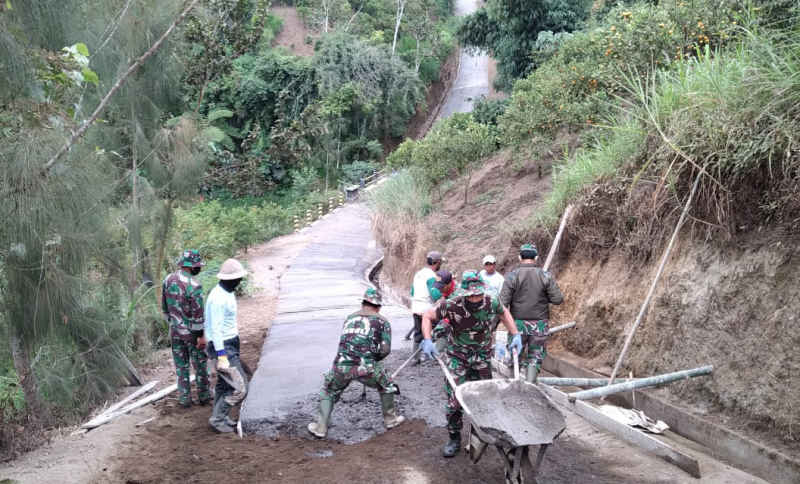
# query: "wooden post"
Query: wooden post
{"points": [[639, 383], [664, 258], [551, 254]]}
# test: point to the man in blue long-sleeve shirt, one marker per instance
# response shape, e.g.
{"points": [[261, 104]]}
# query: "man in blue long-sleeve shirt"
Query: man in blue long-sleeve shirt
{"points": [[223, 334]]}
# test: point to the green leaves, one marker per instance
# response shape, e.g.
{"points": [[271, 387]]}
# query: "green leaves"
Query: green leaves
{"points": [[82, 49], [90, 76]]}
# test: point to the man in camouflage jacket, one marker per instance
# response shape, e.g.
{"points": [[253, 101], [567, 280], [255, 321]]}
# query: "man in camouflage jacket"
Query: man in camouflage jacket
{"points": [[182, 305], [528, 292], [365, 341], [467, 322]]}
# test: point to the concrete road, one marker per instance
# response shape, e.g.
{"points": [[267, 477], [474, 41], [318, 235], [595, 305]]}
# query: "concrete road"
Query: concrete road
{"points": [[323, 285], [472, 80]]}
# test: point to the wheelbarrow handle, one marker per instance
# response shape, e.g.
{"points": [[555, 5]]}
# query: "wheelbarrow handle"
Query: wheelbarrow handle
{"points": [[447, 373]]}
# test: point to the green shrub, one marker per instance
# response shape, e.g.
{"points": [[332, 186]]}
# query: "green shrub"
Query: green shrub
{"points": [[576, 87]]}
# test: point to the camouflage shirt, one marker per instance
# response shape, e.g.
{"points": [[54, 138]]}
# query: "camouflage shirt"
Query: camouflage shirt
{"points": [[470, 330], [365, 336], [182, 305]]}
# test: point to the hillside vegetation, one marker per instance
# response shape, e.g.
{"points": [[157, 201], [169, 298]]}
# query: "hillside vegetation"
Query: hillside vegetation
{"points": [[217, 142], [621, 113]]}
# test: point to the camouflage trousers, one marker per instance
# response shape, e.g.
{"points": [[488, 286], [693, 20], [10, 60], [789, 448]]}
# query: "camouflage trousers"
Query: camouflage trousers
{"points": [[464, 366], [534, 338], [345, 370], [182, 351]]}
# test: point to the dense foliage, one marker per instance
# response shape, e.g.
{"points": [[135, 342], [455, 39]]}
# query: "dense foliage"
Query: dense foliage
{"points": [[509, 30]]}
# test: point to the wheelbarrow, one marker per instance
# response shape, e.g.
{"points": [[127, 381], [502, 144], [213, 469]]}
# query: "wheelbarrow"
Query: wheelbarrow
{"points": [[512, 415]]}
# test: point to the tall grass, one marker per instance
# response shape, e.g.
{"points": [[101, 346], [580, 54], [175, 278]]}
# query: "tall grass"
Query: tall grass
{"points": [[613, 146], [404, 196]]}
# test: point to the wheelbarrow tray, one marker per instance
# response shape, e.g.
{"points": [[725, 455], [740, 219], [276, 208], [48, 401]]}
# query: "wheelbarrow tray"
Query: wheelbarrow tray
{"points": [[510, 413]]}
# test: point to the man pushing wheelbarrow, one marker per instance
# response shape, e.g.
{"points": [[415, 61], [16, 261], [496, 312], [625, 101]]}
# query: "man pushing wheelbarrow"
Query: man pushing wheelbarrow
{"points": [[467, 321]]}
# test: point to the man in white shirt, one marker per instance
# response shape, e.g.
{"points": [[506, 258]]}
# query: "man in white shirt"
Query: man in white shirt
{"points": [[223, 334], [421, 286], [494, 280]]}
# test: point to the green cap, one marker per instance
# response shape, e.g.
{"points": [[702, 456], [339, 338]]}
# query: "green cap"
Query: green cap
{"points": [[191, 258], [528, 251], [373, 296]]}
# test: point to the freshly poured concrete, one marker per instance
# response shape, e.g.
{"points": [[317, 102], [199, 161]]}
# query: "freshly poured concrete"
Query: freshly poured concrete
{"points": [[324, 285]]}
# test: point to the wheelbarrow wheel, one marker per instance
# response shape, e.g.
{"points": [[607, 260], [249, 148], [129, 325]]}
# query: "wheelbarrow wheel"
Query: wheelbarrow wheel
{"points": [[521, 467]]}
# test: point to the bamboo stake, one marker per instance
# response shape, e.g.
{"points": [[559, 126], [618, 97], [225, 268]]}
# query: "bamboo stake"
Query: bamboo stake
{"points": [[100, 107], [640, 383], [551, 254], [655, 280]]}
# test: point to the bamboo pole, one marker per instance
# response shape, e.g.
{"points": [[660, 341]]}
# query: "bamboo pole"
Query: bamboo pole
{"points": [[551, 254], [579, 382], [647, 299], [640, 383]]}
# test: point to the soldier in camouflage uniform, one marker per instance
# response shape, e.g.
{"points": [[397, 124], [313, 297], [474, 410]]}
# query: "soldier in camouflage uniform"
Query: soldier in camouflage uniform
{"points": [[528, 292], [366, 340], [182, 305], [467, 321]]}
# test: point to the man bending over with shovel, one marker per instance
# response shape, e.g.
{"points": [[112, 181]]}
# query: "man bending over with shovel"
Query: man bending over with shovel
{"points": [[366, 340], [467, 320]]}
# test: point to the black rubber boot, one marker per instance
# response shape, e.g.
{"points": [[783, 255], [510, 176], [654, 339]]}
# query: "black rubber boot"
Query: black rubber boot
{"points": [[219, 416], [452, 446]]}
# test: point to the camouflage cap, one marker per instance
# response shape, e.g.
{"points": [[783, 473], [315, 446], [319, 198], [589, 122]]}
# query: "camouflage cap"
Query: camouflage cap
{"points": [[528, 251], [373, 296], [191, 258], [472, 284]]}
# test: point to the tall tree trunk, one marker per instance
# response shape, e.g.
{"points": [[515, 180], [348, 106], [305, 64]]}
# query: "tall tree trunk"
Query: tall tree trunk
{"points": [[401, 5], [22, 364]]}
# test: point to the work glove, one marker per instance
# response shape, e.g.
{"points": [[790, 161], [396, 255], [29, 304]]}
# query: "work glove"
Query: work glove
{"points": [[500, 351], [516, 342], [429, 349]]}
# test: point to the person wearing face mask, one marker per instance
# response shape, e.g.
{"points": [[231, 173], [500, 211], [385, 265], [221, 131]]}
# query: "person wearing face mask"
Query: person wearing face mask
{"points": [[528, 291], [182, 305], [467, 321], [223, 334]]}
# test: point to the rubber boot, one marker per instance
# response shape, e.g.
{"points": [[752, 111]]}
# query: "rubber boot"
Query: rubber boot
{"points": [[452, 446], [320, 427], [390, 417], [219, 417], [230, 422]]}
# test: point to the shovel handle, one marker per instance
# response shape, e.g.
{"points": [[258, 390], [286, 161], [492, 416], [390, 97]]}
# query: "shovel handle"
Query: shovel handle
{"points": [[405, 363], [515, 355]]}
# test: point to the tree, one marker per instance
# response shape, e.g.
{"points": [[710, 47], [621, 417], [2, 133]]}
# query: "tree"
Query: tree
{"points": [[398, 17], [508, 29]]}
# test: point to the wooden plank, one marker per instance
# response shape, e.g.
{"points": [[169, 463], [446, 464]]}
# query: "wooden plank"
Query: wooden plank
{"points": [[104, 419], [626, 433], [129, 398]]}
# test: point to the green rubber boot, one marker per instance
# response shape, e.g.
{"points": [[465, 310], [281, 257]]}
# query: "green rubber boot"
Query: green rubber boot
{"points": [[390, 417], [452, 446], [320, 427]]}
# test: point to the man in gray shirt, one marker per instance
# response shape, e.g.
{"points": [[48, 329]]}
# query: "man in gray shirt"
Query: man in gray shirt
{"points": [[528, 292]]}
